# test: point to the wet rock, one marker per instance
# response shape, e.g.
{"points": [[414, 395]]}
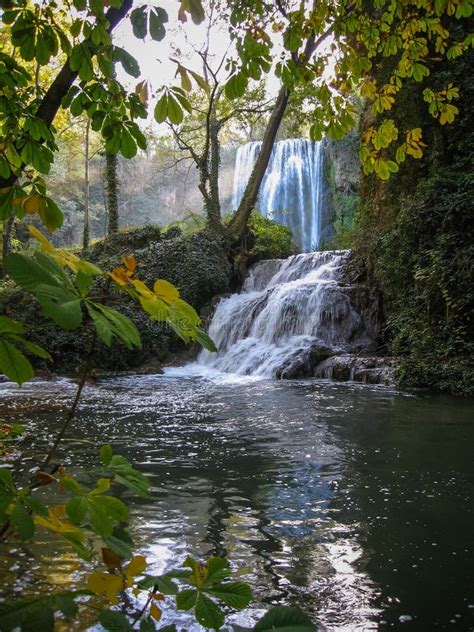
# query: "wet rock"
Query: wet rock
{"points": [[303, 362], [366, 369]]}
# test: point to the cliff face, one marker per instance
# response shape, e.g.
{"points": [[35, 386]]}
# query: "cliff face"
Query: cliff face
{"points": [[342, 175], [415, 234]]}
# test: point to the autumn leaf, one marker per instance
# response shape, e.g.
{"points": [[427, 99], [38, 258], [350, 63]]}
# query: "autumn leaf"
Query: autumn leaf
{"points": [[165, 290]]}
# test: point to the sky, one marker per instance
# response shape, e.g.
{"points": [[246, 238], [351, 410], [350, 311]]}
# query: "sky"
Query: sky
{"points": [[154, 57]]}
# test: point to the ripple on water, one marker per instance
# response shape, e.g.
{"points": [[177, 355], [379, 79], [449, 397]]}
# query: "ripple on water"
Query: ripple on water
{"points": [[330, 497]]}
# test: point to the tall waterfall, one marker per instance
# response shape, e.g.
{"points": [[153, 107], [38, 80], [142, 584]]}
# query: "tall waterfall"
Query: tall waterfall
{"points": [[291, 312], [291, 191]]}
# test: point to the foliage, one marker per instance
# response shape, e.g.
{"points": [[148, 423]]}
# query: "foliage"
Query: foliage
{"points": [[404, 37], [416, 235], [268, 239], [79, 35]]}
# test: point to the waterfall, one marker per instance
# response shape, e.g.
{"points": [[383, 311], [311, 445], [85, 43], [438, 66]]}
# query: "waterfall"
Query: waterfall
{"points": [[291, 191], [292, 313]]}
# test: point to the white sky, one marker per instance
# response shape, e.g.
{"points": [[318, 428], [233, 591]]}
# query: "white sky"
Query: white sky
{"points": [[154, 57]]}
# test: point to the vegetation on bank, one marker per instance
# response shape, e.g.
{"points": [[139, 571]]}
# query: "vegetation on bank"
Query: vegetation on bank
{"points": [[415, 233], [195, 260]]}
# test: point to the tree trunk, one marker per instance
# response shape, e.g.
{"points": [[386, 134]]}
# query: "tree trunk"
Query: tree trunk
{"points": [[86, 232], [111, 185], [213, 206], [6, 244], [238, 224]]}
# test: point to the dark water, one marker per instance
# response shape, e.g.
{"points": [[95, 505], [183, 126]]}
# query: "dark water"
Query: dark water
{"points": [[354, 503]]}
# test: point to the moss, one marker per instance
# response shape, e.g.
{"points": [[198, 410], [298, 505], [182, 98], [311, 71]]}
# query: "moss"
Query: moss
{"points": [[268, 239], [342, 176], [416, 236]]}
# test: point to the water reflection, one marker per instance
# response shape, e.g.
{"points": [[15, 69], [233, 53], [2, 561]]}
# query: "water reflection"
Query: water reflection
{"points": [[355, 504]]}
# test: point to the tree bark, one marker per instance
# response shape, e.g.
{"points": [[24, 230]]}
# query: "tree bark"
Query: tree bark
{"points": [[86, 231], [213, 206], [238, 224], [111, 185]]}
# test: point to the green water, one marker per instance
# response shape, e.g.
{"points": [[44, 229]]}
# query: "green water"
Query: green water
{"points": [[354, 503]]}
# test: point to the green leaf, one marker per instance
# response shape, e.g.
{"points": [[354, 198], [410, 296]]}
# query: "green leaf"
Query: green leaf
{"points": [[76, 509], [50, 213], [129, 63], [128, 146], [186, 599], [205, 341], [84, 281], [161, 109], [35, 505], [9, 325], [158, 17], [126, 475], [26, 272], [119, 546], [14, 364], [236, 86], [106, 453], [208, 613], [234, 594], [31, 615], [60, 305], [122, 326], [21, 521], [114, 508], [103, 326], [284, 619], [139, 22], [7, 481], [33, 348], [162, 583], [114, 621], [175, 111], [67, 605], [217, 569], [148, 625]]}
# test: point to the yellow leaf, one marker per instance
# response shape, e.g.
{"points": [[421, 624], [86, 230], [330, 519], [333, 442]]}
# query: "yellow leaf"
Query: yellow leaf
{"points": [[136, 592], [54, 522], [136, 567], [45, 244], [130, 263], [166, 291], [111, 559], [31, 204], [105, 583], [155, 612], [142, 288], [119, 275], [155, 307]]}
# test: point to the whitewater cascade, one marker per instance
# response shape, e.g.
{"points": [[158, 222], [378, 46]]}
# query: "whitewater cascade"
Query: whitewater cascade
{"points": [[291, 318], [292, 189]]}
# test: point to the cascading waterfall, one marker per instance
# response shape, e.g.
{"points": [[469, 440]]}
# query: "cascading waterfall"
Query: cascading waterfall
{"points": [[292, 188], [289, 311]]}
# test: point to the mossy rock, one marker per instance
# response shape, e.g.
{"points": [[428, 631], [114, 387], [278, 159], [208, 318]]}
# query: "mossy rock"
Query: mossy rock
{"points": [[198, 265]]}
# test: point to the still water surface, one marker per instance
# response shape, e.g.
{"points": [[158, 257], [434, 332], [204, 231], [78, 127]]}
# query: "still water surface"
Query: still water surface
{"points": [[353, 503]]}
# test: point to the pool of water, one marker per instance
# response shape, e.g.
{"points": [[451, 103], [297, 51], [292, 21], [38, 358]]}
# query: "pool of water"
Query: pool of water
{"points": [[354, 503]]}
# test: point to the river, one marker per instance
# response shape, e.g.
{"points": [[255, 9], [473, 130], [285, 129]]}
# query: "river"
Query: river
{"points": [[353, 502]]}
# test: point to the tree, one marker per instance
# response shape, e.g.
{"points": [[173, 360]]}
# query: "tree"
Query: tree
{"points": [[40, 35], [111, 186], [330, 50]]}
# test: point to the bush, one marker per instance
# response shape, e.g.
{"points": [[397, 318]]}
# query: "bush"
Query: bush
{"points": [[269, 239]]}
